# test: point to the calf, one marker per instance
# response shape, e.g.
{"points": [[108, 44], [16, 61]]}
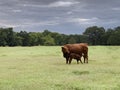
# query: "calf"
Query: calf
{"points": [[75, 56]]}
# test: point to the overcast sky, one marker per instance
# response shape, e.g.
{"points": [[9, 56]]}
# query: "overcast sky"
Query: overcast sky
{"points": [[63, 16]]}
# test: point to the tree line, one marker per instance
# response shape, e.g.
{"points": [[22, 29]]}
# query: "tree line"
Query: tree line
{"points": [[92, 35]]}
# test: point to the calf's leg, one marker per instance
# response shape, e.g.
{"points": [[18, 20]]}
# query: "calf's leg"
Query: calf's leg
{"points": [[70, 60], [77, 61], [81, 61]]}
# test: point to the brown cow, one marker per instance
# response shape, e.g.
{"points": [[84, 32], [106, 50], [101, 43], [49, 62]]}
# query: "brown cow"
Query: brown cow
{"points": [[81, 48], [75, 56]]}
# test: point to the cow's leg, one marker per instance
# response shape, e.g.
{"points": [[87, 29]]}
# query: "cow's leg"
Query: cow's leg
{"points": [[67, 59], [77, 61], [84, 58], [87, 59]]}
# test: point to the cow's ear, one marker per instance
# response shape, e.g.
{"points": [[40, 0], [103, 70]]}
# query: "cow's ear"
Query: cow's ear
{"points": [[63, 49]]}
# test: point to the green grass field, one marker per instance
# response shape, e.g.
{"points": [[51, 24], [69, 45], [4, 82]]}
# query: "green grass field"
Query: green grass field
{"points": [[44, 68]]}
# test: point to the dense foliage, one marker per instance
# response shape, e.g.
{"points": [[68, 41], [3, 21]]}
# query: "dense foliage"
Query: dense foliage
{"points": [[93, 36]]}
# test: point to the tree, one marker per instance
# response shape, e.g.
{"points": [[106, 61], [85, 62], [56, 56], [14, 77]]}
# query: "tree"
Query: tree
{"points": [[107, 35], [7, 37], [18, 41], [10, 37], [114, 38], [48, 40], [57, 38], [40, 38], [3, 37], [71, 40], [95, 34], [46, 32], [25, 38], [33, 39]]}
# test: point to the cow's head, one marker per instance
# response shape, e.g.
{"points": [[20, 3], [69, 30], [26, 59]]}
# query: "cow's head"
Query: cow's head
{"points": [[65, 51]]}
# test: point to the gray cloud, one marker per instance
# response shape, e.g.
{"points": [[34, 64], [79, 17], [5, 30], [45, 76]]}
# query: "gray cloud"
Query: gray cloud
{"points": [[64, 16]]}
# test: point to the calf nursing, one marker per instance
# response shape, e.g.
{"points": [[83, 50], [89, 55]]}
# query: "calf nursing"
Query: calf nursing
{"points": [[75, 56], [78, 49]]}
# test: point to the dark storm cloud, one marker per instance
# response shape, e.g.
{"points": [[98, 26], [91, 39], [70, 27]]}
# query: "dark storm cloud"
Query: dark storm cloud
{"points": [[64, 16]]}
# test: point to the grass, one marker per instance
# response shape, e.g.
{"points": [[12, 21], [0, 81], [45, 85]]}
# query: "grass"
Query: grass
{"points": [[44, 68]]}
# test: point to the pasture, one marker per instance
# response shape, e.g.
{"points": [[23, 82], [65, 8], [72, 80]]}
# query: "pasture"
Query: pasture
{"points": [[44, 68]]}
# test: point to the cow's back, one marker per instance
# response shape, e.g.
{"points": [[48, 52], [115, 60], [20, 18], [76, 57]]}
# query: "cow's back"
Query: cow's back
{"points": [[74, 48], [85, 48]]}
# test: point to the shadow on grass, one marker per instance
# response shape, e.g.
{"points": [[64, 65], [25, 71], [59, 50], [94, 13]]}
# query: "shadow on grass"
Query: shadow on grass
{"points": [[80, 72], [118, 87], [3, 55], [67, 87]]}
